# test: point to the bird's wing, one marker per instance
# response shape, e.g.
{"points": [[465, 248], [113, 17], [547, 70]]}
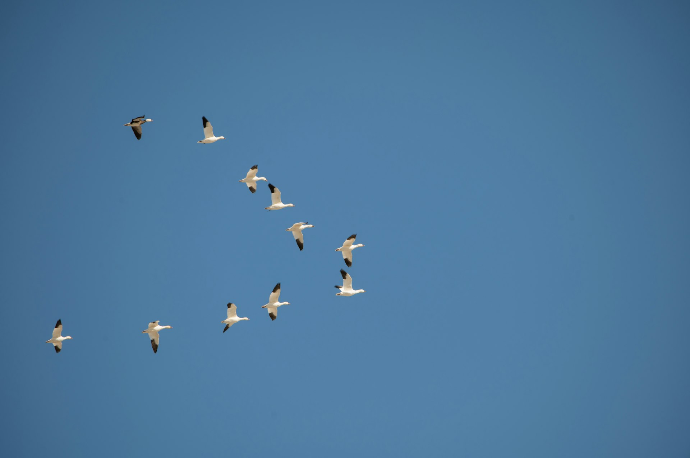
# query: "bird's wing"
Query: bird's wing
{"points": [[347, 256], [299, 238], [275, 295], [232, 310], [153, 324], [208, 128], [154, 341], [58, 347], [252, 186], [57, 331], [275, 194], [347, 280], [252, 171], [273, 312], [350, 240], [227, 326], [137, 131], [138, 118]]}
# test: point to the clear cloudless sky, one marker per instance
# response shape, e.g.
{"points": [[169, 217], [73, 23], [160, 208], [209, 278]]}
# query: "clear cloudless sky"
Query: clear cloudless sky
{"points": [[518, 172]]}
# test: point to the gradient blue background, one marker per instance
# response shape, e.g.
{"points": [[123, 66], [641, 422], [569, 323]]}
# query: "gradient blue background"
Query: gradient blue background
{"points": [[518, 173]]}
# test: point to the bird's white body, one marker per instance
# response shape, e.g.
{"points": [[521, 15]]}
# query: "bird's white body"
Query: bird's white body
{"points": [[232, 317], [273, 303], [153, 330], [57, 338], [276, 203], [251, 179], [208, 132], [347, 248], [296, 230], [346, 289]]}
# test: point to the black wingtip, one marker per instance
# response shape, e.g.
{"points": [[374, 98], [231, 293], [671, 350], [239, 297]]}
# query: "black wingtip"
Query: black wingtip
{"points": [[353, 236], [338, 287], [227, 326], [203, 118], [276, 288], [252, 189], [300, 245], [273, 316], [348, 263], [343, 273], [58, 324], [57, 349], [230, 304], [154, 346], [254, 167], [271, 187]]}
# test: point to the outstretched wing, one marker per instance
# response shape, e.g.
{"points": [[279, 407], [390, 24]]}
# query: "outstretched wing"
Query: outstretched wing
{"points": [[275, 194], [154, 341], [347, 280], [350, 240], [137, 131], [227, 326], [252, 171], [232, 310], [347, 256], [252, 186], [299, 238], [275, 295], [208, 128], [57, 331], [273, 312], [58, 347]]}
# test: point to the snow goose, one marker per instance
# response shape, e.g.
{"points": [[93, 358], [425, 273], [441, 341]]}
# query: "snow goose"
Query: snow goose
{"points": [[346, 289], [153, 331], [208, 132], [57, 338], [136, 124], [232, 317], [347, 248], [276, 204], [273, 303], [296, 230], [251, 179]]}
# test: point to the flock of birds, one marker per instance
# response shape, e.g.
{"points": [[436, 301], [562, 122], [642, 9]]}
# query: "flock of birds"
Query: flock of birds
{"points": [[250, 180]]}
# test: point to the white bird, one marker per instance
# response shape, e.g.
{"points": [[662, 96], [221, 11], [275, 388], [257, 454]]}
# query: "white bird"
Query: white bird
{"points": [[232, 317], [57, 338], [296, 230], [136, 124], [347, 248], [273, 303], [251, 179], [276, 204], [153, 331], [208, 132], [346, 289]]}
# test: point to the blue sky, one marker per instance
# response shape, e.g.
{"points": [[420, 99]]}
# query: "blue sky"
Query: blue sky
{"points": [[517, 172]]}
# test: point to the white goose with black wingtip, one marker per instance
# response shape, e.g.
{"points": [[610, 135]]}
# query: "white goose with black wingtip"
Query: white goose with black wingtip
{"points": [[347, 248], [57, 338], [232, 317], [208, 132], [276, 203], [153, 330], [273, 303], [251, 179], [296, 230], [346, 289], [136, 124]]}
